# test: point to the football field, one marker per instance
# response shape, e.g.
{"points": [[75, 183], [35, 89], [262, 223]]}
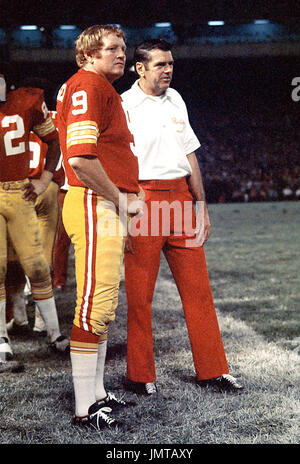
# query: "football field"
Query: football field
{"points": [[253, 258]]}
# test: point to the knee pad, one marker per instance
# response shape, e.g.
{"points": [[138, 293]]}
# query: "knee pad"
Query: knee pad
{"points": [[37, 269]]}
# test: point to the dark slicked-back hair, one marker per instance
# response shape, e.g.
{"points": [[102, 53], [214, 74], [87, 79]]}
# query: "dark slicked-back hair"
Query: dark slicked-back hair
{"points": [[142, 51]]}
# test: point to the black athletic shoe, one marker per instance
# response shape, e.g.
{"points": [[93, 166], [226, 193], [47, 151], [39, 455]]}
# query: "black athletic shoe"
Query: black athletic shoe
{"points": [[61, 345], [222, 384], [114, 403], [98, 418], [17, 329], [149, 388]]}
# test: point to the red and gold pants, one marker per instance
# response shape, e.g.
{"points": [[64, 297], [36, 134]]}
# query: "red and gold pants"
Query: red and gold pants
{"points": [[98, 238]]}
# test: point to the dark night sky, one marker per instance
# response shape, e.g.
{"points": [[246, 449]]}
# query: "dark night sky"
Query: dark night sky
{"points": [[142, 12]]}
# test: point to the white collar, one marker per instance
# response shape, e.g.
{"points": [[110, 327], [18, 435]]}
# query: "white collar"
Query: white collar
{"points": [[138, 95]]}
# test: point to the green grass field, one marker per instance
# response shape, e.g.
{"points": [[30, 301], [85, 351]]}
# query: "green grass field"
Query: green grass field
{"points": [[253, 258]]}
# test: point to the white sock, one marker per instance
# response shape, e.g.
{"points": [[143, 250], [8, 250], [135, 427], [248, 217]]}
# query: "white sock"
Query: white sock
{"points": [[19, 308], [3, 329], [83, 372], [39, 324], [100, 391], [48, 312]]}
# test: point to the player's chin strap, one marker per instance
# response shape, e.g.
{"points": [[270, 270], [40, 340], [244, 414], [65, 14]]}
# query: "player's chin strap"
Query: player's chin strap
{"points": [[2, 89]]}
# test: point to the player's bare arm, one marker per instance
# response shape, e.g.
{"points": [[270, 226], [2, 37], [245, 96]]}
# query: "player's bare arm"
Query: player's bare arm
{"points": [[38, 186], [90, 171], [197, 190]]}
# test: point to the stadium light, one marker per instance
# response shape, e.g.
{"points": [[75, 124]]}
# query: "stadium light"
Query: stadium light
{"points": [[261, 21], [67, 27], [28, 28], [216, 23], [162, 24]]}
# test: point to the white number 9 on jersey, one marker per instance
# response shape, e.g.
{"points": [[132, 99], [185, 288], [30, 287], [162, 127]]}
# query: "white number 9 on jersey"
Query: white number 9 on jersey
{"points": [[79, 100]]}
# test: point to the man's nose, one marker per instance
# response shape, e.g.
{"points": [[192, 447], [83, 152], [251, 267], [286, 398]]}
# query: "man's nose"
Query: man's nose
{"points": [[121, 53]]}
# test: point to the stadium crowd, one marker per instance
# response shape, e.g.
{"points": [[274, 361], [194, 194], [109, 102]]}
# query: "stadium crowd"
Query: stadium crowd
{"points": [[250, 156]]}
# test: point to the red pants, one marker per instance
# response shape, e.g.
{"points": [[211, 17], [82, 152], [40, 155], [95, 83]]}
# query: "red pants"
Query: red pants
{"points": [[188, 266], [61, 253]]}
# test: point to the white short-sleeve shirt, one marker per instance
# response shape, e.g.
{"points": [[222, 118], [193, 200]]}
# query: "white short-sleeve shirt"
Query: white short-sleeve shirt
{"points": [[162, 133]]}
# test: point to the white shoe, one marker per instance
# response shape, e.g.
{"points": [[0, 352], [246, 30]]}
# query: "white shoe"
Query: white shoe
{"points": [[6, 353]]}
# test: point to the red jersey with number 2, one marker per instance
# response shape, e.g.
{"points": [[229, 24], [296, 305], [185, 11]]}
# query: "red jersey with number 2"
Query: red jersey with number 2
{"points": [[25, 110]]}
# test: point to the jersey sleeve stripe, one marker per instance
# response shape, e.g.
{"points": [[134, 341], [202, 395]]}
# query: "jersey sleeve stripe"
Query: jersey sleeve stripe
{"points": [[45, 128], [78, 124], [82, 132], [80, 140]]}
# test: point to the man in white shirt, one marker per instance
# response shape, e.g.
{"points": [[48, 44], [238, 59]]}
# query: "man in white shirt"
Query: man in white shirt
{"points": [[165, 145]]}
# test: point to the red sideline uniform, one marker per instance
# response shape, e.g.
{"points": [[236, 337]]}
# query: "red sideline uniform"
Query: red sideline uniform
{"points": [[23, 112], [91, 121], [96, 126]]}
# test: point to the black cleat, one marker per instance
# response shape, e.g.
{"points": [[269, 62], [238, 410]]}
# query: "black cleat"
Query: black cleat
{"points": [[61, 345], [148, 388], [18, 329], [98, 418], [224, 383], [115, 404]]}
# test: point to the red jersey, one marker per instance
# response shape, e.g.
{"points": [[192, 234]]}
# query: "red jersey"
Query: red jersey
{"points": [[91, 121], [38, 151], [25, 110]]}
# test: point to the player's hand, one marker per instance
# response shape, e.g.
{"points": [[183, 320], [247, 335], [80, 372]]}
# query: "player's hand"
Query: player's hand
{"points": [[141, 195], [131, 203], [37, 186], [128, 245], [202, 223], [29, 192], [135, 204]]}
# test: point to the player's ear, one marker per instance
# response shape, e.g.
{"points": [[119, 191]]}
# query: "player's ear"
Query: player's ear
{"points": [[140, 68], [89, 56]]}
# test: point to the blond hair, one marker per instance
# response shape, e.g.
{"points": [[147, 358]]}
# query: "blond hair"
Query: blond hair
{"points": [[91, 39]]}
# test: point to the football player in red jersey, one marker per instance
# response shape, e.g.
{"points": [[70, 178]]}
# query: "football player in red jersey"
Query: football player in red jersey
{"points": [[102, 172], [48, 212], [21, 111]]}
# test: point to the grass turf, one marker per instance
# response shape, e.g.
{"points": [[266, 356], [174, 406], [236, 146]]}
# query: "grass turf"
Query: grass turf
{"points": [[253, 260]]}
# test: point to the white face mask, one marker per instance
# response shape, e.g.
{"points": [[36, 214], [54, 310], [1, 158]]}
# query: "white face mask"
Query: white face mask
{"points": [[2, 89]]}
